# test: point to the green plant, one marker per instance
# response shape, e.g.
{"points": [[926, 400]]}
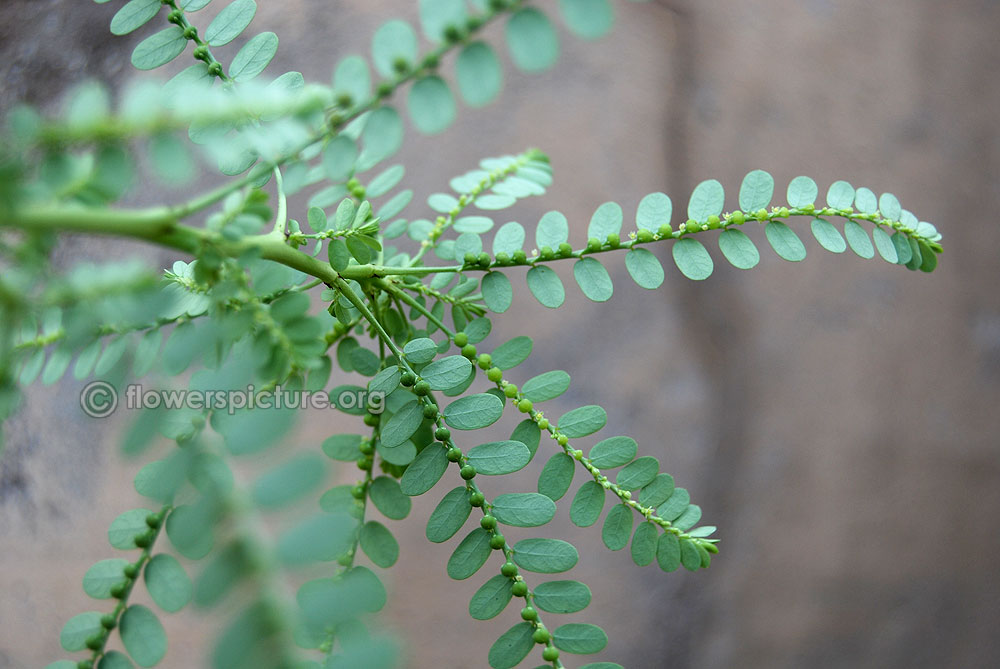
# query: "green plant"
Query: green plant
{"points": [[241, 310]]}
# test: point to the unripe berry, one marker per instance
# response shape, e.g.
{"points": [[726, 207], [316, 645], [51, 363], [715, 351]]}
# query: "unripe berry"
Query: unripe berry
{"points": [[365, 463], [644, 236], [550, 654], [488, 522], [469, 351], [200, 53], [543, 424], [541, 635], [509, 569], [691, 225], [524, 405], [108, 621], [562, 440], [737, 217], [485, 361], [494, 374], [546, 253], [470, 258], [422, 388], [407, 379], [190, 32], [510, 390], [384, 90], [344, 100], [400, 65], [565, 249], [520, 257], [614, 240], [594, 244], [430, 411], [130, 571], [370, 419], [366, 448], [454, 454], [497, 541], [358, 492], [503, 258], [442, 434], [477, 499], [519, 589], [528, 613], [665, 230], [461, 339], [95, 642], [468, 472], [153, 520], [483, 260]]}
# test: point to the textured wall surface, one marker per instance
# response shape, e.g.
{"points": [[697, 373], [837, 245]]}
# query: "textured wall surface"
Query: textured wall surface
{"points": [[836, 419]]}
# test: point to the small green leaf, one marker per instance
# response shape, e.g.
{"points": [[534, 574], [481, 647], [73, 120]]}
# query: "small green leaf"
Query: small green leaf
{"points": [[509, 238], [644, 544], [431, 105], [547, 386], [143, 635], [802, 191], [449, 515], [654, 210], [385, 381], [580, 638], [884, 245], [527, 433], [319, 538], [512, 646], [588, 19], [583, 421], [785, 242], [230, 22], [675, 505], [707, 199], [738, 249], [512, 353], [617, 527], [561, 596], [756, 191], [437, 15], [102, 576], [393, 41], [865, 201], [491, 598], [343, 447], [78, 629], [552, 230], [159, 48], [607, 220], [447, 372], [546, 286], [378, 544], [840, 195], [902, 244], [388, 498], [532, 40], [420, 350], [860, 243], [638, 473], [385, 181], [613, 452], [478, 73], [382, 136], [657, 491], [690, 557], [426, 470], [587, 504], [338, 161], [497, 292], [499, 457], [668, 552], [644, 268], [167, 583], [470, 554], [545, 556], [124, 528], [134, 15], [556, 476], [888, 204], [593, 279], [289, 482], [254, 56], [828, 236], [688, 519], [523, 509], [692, 259], [473, 412], [403, 424]]}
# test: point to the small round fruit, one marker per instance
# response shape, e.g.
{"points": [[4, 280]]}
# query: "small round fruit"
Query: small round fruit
{"points": [[488, 522], [468, 472], [519, 589], [497, 541], [461, 339], [541, 635], [495, 374], [550, 654], [477, 499], [509, 569], [529, 613], [454, 454]]}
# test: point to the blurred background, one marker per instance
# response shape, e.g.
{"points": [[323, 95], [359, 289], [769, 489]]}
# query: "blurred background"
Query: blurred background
{"points": [[837, 419]]}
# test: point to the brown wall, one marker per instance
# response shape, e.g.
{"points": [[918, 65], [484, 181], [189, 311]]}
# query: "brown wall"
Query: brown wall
{"points": [[836, 419]]}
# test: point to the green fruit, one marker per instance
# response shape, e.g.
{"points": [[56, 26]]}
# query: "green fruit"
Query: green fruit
{"points": [[153, 520], [407, 379], [488, 522], [497, 541], [495, 374], [565, 250], [461, 339], [543, 424], [541, 635], [509, 569], [442, 434], [519, 589], [468, 472], [562, 440], [370, 419], [503, 258], [644, 236], [483, 260], [422, 388], [524, 405], [550, 654], [130, 571], [510, 390], [95, 642], [529, 613], [485, 361], [108, 621], [594, 244], [665, 230], [520, 257], [454, 454], [614, 241], [737, 217], [713, 221], [477, 499], [366, 448], [469, 351]]}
